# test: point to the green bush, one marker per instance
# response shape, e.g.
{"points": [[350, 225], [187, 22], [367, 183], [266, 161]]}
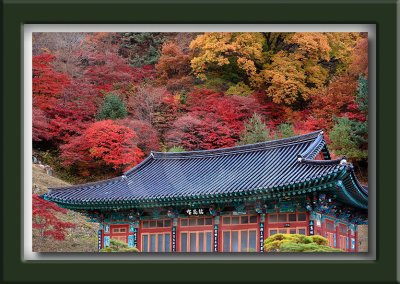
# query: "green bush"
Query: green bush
{"points": [[348, 138], [176, 149], [285, 130], [118, 246], [240, 89], [214, 83], [319, 240], [254, 131], [297, 243], [113, 108]]}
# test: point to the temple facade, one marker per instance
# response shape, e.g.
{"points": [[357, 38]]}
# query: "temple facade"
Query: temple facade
{"points": [[226, 200]]}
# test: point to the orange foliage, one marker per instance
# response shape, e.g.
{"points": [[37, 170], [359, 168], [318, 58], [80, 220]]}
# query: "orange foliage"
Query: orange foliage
{"points": [[360, 58], [334, 100], [173, 68]]}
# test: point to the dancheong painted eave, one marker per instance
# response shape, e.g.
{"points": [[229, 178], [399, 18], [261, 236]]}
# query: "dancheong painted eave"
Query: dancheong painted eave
{"points": [[284, 167]]}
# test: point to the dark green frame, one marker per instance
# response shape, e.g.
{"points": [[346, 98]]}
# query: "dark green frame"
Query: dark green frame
{"points": [[19, 12]]}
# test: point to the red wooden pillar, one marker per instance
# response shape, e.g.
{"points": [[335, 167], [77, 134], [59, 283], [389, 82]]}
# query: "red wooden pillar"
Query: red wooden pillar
{"points": [[337, 232], [348, 239], [323, 227], [139, 235], [317, 224], [356, 238]]}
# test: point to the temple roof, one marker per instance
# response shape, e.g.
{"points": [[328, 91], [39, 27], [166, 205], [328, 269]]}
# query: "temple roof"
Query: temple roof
{"points": [[284, 166]]}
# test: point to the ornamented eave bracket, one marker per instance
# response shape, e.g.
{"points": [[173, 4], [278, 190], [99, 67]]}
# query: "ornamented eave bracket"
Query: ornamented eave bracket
{"points": [[302, 188], [326, 205]]}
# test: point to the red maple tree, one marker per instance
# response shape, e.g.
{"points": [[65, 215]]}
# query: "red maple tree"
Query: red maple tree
{"points": [[47, 84], [45, 220], [105, 69], [147, 139], [40, 125], [104, 143], [214, 120], [194, 133], [73, 111]]}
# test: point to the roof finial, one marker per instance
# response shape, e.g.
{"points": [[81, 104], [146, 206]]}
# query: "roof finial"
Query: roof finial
{"points": [[321, 132], [343, 162]]}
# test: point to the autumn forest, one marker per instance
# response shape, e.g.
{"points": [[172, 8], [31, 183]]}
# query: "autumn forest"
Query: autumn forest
{"points": [[103, 101]]}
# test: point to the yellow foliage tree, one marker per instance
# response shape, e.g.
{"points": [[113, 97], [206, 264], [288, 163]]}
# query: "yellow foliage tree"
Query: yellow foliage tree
{"points": [[287, 66], [218, 49], [283, 78], [298, 70], [342, 47]]}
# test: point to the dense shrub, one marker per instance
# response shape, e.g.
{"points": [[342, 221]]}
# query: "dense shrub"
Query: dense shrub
{"points": [[118, 246], [297, 243], [112, 108]]}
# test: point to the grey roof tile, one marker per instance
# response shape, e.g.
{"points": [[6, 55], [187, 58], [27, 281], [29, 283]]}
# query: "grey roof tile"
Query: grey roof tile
{"points": [[201, 173]]}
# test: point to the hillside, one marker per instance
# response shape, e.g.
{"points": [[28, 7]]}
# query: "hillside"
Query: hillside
{"points": [[82, 238], [103, 101]]}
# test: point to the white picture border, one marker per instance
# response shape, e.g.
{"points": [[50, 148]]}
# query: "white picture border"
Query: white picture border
{"points": [[26, 240]]}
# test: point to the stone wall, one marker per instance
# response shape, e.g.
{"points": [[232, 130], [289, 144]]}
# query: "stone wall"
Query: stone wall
{"points": [[363, 238]]}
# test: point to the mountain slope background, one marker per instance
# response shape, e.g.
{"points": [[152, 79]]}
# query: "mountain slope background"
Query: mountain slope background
{"points": [[81, 238]]}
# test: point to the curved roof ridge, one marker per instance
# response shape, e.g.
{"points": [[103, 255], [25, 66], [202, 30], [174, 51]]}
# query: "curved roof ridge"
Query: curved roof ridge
{"points": [[141, 164], [312, 151], [89, 184], [321, 162], [239, 149]]}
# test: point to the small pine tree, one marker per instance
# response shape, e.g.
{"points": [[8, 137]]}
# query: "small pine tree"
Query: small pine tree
{"points": [[176, 149], [118, 246], [240, 89], [347, 139], [254, 131], [362, 94], [142, 48], [285, 130], [113, 108]]}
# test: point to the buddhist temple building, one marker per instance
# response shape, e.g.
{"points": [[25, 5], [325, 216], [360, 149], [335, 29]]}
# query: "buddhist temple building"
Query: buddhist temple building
{"points": [[226, 200]]}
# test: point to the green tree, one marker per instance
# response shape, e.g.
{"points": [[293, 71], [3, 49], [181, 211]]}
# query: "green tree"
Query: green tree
{"points": [[360, 128], [118, 246], [347, 138], [254, 131], [285, 130], [297, 243], [141, 48], [113, 108], [362, 94], [176, 149], [240, 89]]}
